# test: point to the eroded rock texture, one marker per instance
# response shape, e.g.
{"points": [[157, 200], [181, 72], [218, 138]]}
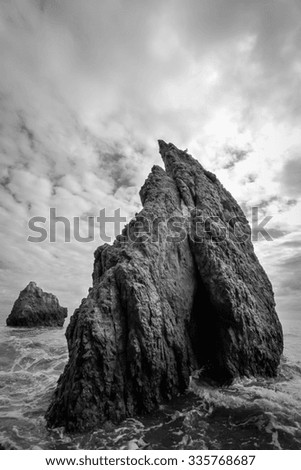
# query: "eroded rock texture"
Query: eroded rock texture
{"points": [[180, 289], [34, 307]]}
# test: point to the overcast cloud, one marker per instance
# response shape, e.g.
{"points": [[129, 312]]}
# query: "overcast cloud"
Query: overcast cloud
{"points": [[86, 89]]}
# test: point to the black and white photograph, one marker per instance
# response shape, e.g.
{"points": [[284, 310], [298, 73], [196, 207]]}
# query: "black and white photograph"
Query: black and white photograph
{"points": [[150, 207]]}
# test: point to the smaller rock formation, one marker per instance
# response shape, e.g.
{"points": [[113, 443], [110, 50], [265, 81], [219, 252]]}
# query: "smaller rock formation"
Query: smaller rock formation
{"points": [[34, 307]]}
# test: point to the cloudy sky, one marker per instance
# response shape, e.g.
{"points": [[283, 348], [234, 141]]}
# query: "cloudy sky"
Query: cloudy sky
{"points": [[88, 86]]}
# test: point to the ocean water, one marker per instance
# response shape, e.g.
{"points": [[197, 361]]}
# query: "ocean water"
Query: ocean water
{"points": [[249, 414]]}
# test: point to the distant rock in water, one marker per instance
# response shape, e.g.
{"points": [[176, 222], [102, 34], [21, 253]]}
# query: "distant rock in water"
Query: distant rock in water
{"points": [[34, 307], [180, 290]]}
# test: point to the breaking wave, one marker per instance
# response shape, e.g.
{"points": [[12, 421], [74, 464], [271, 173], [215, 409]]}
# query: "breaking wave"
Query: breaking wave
{"points": [[249, 414]]}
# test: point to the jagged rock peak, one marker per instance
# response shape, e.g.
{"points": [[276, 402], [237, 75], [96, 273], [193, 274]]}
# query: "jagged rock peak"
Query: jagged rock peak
{"points": [[34, 307], [180, 289]]}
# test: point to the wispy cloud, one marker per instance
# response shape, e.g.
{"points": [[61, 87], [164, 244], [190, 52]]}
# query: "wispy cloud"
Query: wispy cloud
{"points": [[291, 174], [86, 88]]}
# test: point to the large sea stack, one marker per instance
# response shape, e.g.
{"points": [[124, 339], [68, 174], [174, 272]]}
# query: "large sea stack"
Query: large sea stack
{"points": [[34, 308], [180, 290]]}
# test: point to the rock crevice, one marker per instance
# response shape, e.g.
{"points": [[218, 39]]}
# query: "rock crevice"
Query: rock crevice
{"points": [[180, 289]]}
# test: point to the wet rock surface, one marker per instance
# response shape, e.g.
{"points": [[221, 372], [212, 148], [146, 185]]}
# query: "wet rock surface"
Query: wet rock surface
{"points": [[180, 289], [35, 308]]}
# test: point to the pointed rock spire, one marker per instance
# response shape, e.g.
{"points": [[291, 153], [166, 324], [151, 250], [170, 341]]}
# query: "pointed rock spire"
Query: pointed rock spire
{"points": [[181, 289]]}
